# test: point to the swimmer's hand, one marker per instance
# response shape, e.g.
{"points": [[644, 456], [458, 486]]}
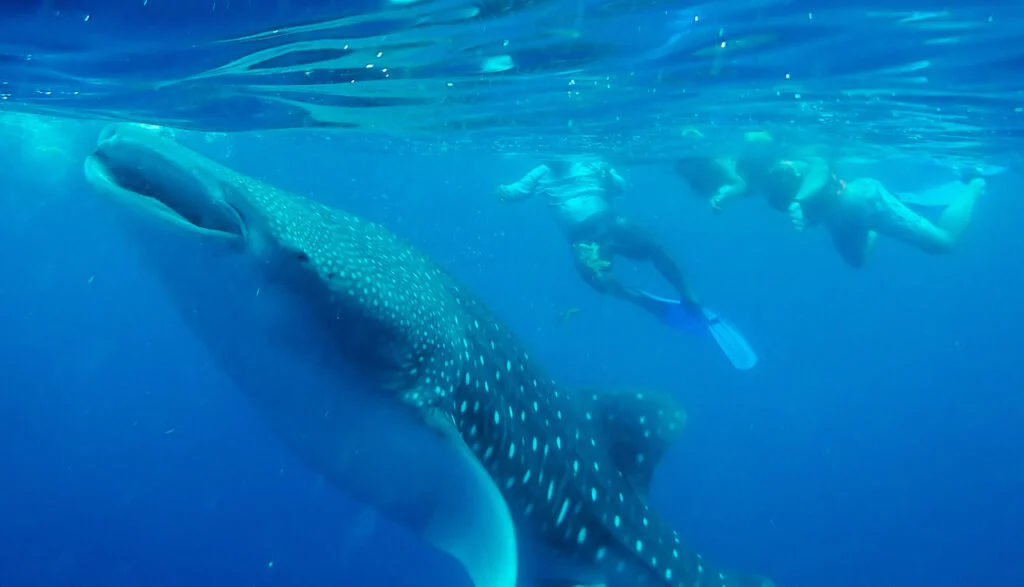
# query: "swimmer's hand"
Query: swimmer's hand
{"points": [[796, 216], [590, 255], [716, 201], [724, 193]]}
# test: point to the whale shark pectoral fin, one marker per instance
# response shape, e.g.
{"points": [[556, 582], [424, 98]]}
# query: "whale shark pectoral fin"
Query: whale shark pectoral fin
{"points": [[641, 426], [474, 525]]}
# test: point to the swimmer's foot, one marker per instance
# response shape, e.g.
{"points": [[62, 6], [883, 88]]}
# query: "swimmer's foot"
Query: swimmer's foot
{"points": [[672, 312], [683, 315], [957, 216], [970, 173], [976, 187]]}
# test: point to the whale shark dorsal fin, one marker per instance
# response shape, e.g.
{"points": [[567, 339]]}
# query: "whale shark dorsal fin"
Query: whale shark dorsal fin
{"points": [[641, 426], [475, 525]]}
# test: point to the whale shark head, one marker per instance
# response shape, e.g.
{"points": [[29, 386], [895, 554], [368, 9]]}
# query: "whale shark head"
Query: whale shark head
{"points": [[458, 433], [144, 172]]}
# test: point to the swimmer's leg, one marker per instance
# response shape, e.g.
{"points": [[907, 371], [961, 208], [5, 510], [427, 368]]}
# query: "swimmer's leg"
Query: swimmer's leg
{"points": [[867, 203], [594, 263], [632, 241], [958, 215]]}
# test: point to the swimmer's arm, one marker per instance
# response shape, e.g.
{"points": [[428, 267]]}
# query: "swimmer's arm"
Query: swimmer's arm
{"points": [[524, 188], [815, 179], [737, 186], [734, 185], [617, 183]]}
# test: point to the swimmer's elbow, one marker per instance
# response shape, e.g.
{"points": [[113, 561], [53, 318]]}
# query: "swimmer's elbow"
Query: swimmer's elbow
{"points": [[733, 189]]}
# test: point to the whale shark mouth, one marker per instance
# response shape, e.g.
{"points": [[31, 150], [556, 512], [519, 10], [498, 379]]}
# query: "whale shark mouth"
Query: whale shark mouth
{"points": [[129, 165]]}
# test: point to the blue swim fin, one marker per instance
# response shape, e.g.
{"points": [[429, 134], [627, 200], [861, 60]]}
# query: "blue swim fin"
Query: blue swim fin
{"points": [[728, 337], [675, 314], [731, 341]]}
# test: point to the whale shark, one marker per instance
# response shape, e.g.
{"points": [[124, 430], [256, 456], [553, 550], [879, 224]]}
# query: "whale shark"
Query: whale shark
{"points": [[390, 379]]}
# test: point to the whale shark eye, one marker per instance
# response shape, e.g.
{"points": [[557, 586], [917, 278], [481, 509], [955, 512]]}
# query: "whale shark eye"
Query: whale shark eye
{"points": [[302, 257]]}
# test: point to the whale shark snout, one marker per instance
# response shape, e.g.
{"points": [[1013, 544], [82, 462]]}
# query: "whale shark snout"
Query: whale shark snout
{"points": [[137, 168]]}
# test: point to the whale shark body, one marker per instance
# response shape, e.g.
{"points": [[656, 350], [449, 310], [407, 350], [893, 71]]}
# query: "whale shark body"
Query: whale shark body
{"points": [[387, 377]]}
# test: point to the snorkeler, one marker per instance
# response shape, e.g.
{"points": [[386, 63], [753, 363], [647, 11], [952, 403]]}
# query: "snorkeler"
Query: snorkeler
{"points": [[715, 178], [581, 193], [719, 179], [811, 192], [855, 213]]}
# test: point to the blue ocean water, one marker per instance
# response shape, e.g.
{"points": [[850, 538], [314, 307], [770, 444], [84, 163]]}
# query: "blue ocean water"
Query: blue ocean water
{"points": [[877, 442]]}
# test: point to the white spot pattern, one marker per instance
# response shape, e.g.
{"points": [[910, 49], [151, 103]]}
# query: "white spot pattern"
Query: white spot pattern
{"points": [[381, 281]]}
